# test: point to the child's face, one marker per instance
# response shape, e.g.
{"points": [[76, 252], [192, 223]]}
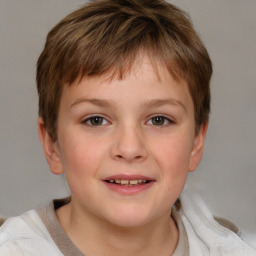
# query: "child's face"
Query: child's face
{"points": [[138, 128]]}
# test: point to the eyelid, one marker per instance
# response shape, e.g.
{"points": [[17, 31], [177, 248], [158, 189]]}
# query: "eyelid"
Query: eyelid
{"points": [[87, 118], [169, 119]]}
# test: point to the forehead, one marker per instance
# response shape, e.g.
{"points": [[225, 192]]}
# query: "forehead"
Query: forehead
{"points": [[131, 64], [143, 68], [144, 83]]}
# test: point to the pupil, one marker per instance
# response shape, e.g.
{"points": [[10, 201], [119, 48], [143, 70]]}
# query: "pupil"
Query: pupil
{"points": [[158, 120], [96, 120]]}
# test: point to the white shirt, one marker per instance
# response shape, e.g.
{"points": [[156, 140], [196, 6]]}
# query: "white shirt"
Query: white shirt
{"points": [[27, 235]]}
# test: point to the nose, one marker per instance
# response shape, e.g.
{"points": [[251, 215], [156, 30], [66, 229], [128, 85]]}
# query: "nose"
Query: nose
{"points": [[129, 145]]}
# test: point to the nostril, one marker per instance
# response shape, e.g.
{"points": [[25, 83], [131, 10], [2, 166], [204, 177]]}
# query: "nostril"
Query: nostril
{"points": [[136, 157]]}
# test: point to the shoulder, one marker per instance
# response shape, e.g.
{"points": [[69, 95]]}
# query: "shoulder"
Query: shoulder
{"points": [[2, 220], [208, 235], [26, 235]]}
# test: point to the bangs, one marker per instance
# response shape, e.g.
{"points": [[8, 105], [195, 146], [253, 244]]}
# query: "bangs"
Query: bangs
{"points": [[117, 53]]}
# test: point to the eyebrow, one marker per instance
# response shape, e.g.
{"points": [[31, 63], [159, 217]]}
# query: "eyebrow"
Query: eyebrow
{"points": [[149, 104], [162, 102], [96, 102]]}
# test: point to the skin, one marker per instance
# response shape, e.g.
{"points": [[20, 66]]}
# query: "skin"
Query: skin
{"points": [[130, 140]]}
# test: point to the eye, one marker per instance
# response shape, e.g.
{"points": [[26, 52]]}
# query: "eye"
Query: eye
{"points": [[95, 121], [159, 121]]}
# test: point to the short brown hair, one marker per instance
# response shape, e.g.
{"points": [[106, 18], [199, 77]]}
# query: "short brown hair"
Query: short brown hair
{"points": [[106, 36]]}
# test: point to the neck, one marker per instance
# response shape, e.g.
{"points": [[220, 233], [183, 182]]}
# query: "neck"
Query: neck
{"points": [[96, 237]]}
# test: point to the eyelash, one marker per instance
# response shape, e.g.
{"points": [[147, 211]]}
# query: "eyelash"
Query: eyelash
{"points": [[88, 121], [100, 121], [167, 121]]}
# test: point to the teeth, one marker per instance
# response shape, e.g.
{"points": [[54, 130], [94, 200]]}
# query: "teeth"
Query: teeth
{"points": [[128, 182]]}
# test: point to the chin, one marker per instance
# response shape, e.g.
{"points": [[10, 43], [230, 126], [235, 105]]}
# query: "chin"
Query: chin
{"points": [[129, 222], [129, 218]]}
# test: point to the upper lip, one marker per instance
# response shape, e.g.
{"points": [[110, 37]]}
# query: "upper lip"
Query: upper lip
{"points": [[128, 177]]}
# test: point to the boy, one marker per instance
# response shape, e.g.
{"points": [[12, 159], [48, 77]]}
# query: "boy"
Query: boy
{"points": [[124, 101]]}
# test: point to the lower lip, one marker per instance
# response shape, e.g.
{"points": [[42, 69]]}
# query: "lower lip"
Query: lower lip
{"points": [[129, 190]]}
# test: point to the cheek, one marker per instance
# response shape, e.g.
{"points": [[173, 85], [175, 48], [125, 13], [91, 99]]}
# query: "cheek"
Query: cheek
{"points": [[80, 163], [174, 159], [173, 153], [80, 157]]}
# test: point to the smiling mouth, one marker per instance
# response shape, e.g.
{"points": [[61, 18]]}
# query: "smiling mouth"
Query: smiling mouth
{"points": [[129, 183]]}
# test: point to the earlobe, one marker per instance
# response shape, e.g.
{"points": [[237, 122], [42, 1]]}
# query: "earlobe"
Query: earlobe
{"points": [[51, 149], [197, 151]]}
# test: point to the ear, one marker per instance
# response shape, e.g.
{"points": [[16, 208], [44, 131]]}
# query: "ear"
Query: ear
{"points": [[198, 147], [51, 149]]}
